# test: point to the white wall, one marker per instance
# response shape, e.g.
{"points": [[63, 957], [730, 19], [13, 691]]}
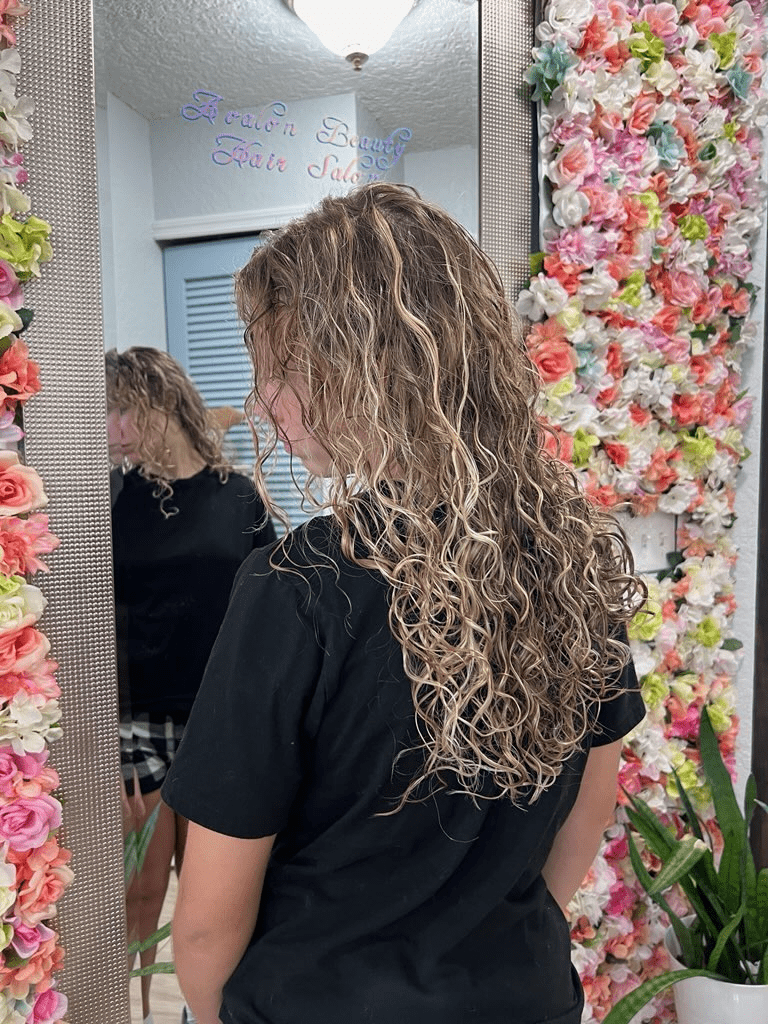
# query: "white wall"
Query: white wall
{"points": [[132, 267], [745, 530], [448, 177]]}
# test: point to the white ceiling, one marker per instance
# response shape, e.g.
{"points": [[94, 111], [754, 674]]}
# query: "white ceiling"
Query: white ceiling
{"points": [[153, 56]]}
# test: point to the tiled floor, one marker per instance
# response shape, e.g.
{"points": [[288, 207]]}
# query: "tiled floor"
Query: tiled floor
{"points": [[165, 996]]}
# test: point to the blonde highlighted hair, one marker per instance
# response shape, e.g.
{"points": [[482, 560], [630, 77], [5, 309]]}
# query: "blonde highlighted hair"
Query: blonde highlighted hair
{"points": [[148, 381], [508, 588]]}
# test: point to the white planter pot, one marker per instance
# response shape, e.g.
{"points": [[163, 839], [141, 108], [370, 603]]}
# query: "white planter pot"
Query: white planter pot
{"points": [[704, 1001]]}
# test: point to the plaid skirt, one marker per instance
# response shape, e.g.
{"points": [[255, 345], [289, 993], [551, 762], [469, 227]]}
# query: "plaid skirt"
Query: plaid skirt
{"points": [[147, 749]]}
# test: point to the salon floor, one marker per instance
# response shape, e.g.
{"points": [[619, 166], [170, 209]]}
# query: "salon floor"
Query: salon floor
{"points": [[165, 996]]}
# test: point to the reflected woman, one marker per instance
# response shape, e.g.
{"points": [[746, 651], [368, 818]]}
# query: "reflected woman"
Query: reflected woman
{"points": [[182, 523]]}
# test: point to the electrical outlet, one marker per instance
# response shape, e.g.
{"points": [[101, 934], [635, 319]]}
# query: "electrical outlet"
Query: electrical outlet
{"points": [[651, 538]]}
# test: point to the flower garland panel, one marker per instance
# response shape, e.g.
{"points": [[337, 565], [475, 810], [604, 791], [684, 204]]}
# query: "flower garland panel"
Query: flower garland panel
{"points": [[34, 869], [651, 150]]}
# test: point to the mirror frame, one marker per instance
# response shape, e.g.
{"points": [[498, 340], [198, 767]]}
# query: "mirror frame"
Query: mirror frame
{"points": [[66, 437]]}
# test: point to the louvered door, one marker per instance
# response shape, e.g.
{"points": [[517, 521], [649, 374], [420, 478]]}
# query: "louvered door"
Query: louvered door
{"points": [[206, 337]]}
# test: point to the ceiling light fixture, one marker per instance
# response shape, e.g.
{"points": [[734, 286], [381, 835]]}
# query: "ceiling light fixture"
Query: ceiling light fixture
{"points": [[353, 29]]}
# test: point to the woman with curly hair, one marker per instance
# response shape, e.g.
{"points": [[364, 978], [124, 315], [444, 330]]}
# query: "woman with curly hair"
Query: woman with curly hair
{"points": [[416, 745], [182, 523]]}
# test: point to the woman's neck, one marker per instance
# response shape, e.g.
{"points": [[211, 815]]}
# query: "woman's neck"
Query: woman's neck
{"points": [[183, 460]]}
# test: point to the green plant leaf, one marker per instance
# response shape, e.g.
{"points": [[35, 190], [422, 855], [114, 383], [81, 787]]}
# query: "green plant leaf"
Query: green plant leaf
{"points": [[691, 818], [151, 940], [727, 810], [129, 858], [690, 850], [163, 968], [690, 952], [144, 837], [634, 1001], [761, 902], [659, 838], [729, 871], [762, 971], [723, 938]]}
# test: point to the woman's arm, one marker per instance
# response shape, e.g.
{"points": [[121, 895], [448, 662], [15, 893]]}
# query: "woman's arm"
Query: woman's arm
{"points": [[216, 910], [577, 842]]}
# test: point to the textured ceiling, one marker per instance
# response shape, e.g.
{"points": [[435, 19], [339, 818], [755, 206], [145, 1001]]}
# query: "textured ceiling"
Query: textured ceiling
{"points": [[153, 55]]}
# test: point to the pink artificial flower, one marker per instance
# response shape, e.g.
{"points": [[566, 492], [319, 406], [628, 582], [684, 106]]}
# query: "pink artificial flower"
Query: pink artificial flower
{"points": [[10, 290], [662, 19], [642, 113], [25, 824], [10, 9], [39, 894], [23, 649], [617, 453], [24, 775], [574, 163], [39, 680], [553, 356], [9, 432], [21, 489], [688, 410], [660, 471], [27, 939], [35, 972], [21, 541], [19, 375], [566, 272], [49, 1007]]}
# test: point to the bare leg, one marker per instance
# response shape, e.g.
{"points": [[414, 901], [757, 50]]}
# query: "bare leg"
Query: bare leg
{"points": [[147, 891]]}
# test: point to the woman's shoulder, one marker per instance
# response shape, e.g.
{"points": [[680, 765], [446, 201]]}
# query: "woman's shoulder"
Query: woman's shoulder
{"points": [[309, 561]]}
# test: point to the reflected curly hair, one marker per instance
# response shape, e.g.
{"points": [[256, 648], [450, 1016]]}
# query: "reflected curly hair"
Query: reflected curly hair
{"points": [[508, 587], [149, 381]]}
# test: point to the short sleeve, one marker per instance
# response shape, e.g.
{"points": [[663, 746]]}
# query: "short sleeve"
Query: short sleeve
{"points": [[621, 713], [241, 759]]}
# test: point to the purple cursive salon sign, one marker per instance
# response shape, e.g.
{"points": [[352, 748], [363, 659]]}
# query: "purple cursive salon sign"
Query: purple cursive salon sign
{"points": [[343, 157]]}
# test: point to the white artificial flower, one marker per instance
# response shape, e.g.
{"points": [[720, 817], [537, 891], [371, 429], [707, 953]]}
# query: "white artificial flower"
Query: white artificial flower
{"points": [[597, 287], [570, 206], [678, 498], [663, 77], [617, 91]]}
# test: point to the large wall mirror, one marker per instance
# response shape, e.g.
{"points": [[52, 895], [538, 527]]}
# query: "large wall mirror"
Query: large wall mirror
{"points": [[217, 121], [213, 122]]}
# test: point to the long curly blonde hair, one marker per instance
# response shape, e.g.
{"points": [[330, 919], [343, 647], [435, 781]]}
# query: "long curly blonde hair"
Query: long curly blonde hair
{"points": [[508, 588], [149, 381]]}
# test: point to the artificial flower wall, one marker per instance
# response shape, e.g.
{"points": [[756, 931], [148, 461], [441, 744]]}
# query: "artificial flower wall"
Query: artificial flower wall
{"points": [[651, 154], [33, 867]]}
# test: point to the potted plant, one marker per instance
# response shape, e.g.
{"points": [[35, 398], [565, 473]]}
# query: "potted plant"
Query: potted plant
{"points": [[723, 946]]}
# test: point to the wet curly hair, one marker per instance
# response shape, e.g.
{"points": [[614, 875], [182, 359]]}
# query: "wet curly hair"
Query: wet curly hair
{"points": [[508, 587]]}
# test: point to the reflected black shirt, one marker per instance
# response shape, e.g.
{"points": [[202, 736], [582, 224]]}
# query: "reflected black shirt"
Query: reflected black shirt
{"points": [[434, 915], [173, 578]]}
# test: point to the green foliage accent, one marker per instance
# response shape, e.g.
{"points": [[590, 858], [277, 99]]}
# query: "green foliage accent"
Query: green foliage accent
{"points": [[166, 967], [26, 316], [151, 940], [536, 260], [732, 644], [729, 933], [136, 846], [634, 1001]]}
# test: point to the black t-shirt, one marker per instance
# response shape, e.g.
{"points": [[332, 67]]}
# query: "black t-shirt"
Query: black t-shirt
{"points": [[434, 915], [173, 578]]}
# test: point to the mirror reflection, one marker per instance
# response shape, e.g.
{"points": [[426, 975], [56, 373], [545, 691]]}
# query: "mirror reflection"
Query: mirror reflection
{"points": [[217, 122]]}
